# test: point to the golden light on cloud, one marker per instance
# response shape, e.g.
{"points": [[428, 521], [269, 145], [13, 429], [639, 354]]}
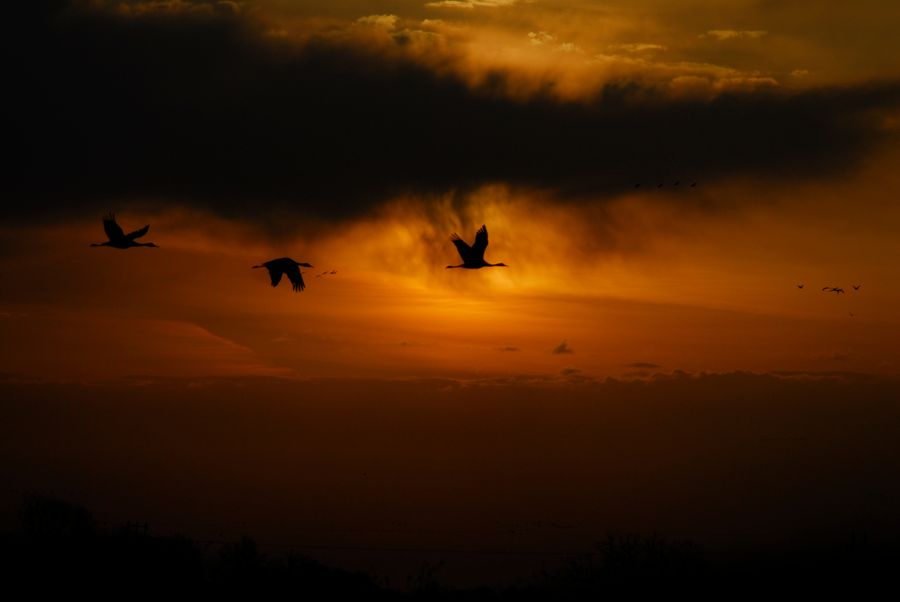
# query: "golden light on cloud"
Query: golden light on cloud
{"points": [[652, 277], [642, 270]]}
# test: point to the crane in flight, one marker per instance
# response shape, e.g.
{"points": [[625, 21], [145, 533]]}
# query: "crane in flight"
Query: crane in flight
{"points": [[473, 257], [285, 266], [117, 237]]}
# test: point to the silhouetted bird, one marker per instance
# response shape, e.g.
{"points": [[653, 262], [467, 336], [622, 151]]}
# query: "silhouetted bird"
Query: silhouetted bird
{"points": [[693, 184], [659, 185], [473, 257], [285, 266], [799, 286], [856, 287], [833, 289], [117, 237], [677, 182], [326, 273], [638, 185]]}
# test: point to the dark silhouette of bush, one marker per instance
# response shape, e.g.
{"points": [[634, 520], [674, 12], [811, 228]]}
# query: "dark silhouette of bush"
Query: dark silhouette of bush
{"points": [[45, 516], [625, 564], [241, 567], [60, 549]]}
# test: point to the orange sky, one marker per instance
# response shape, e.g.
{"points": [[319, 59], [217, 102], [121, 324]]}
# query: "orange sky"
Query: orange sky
{"points": [[601, 381], [642, 281], [697, 279]]}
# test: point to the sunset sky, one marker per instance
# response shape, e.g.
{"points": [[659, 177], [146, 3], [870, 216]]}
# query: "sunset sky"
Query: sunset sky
{"points": [[358, 135]]}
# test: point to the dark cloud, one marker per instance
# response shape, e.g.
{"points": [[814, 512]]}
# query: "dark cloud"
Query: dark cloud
{"points": [[829, 375], [204, 107], [562, 348]]}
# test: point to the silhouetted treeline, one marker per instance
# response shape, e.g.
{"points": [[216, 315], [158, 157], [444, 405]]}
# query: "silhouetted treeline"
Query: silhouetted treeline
{"points": [[60, 548]]}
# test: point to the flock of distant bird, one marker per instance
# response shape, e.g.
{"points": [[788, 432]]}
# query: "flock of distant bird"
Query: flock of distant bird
{"points": [[472, 256], [836, 289]]}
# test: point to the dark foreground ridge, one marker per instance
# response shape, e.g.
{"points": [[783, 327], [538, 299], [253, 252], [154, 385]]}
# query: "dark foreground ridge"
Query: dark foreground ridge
{"points": [[59, 547]]}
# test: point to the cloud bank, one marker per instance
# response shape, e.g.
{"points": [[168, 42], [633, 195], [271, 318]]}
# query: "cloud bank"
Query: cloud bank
{"points": [[208, 108]]}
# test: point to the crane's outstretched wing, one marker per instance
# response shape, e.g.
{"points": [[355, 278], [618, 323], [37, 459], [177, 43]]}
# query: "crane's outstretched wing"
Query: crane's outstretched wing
{"points": [[465, 251], [138, 233], [293, 274], [481, 242], [275, 275], [112, 229]]}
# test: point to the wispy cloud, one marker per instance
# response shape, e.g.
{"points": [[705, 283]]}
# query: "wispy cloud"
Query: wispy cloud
{"points": [[470, 4], [562, 348], [636, 47], [539, 38], [384, 21], [734, 34]]}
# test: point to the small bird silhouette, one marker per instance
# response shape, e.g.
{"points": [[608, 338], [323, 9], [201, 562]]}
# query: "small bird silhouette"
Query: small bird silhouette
{"points": [[327, 273], [833, 289], [285, 266], [473, 257], [856, 287], [693, 184], [117, 237], [799, 286]]}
